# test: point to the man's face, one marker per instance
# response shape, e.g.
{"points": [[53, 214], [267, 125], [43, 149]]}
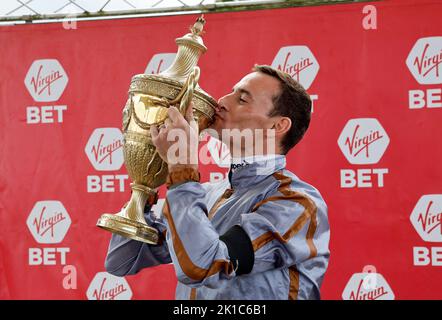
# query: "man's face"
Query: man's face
{"points": [[248, 105]]}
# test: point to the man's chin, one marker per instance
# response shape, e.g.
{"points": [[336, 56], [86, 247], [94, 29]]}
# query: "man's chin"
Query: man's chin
{"points": [[214, 132], [215, 129]]}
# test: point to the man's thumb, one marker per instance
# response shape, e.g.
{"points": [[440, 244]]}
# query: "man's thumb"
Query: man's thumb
{"points": [[189, 113]]}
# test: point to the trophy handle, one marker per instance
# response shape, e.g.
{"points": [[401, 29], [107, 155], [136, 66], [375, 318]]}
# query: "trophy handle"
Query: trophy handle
{"points": [[186, 94]]}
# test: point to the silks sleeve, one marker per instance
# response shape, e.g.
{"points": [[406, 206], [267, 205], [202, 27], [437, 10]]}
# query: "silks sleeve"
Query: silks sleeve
{"points": [[126, 256]]}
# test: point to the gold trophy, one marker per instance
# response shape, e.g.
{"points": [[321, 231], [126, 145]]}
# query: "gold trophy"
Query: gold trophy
{"points": [[149, 98]]}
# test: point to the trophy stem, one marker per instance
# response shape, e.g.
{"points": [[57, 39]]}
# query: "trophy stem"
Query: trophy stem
{"points": [[130, 222], [137, 202]]}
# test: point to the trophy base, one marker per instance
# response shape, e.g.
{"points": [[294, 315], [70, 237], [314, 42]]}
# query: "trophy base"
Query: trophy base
{"points": [[128, 228]]}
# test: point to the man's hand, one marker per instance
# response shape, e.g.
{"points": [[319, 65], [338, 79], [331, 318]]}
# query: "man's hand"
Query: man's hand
{"points": [[177, 140]]}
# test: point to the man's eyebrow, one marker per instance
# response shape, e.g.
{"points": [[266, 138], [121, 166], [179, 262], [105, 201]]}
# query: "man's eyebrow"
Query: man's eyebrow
{"points": [[241, 90]]}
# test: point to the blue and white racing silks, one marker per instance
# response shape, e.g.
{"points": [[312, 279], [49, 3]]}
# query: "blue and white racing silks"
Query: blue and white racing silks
{"points": [[262, 233]]}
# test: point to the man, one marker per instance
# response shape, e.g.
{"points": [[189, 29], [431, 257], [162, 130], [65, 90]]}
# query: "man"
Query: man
{"points": [[260, 234]]}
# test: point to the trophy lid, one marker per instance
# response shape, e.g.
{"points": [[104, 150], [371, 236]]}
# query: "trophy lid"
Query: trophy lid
{"points": [[190, 48]]}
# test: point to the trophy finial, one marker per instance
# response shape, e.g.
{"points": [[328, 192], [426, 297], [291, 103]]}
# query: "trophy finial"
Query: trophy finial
{"points": [[190, 47], [198, 26]]}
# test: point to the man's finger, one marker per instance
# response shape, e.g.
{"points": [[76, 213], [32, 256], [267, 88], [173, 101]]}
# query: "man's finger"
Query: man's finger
{"points": [[153, 131], [189, 113], [174, 115], [194, 125]]}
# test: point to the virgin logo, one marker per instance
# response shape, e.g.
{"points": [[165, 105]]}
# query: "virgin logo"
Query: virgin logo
{"points": [[427, 217], [357, 143], [426, 64], [295, 69], [299, 62], [110, 293], [159, 63], [46, 80], [358, 288], [105, 286], [103, 152], [48, 221], [43, 225], [41, 83], [105, 149], [425, 60], [430, 220], [363, 141], [372, 294]]}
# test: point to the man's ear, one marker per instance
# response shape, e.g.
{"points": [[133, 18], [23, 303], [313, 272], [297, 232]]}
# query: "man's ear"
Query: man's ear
{"points": [[282, 125]]}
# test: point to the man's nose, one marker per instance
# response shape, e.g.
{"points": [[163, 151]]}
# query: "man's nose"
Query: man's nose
{"points": [[222, 104]]}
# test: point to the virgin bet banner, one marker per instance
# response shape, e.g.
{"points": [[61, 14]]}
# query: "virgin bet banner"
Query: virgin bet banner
{"points": [[373, 70]]}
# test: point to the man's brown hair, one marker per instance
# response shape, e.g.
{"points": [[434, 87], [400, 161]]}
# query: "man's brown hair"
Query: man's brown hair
{"points": [[292, 102]]}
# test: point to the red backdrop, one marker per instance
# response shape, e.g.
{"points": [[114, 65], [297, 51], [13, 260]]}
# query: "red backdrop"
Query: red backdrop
{"points": [[373, 148]]}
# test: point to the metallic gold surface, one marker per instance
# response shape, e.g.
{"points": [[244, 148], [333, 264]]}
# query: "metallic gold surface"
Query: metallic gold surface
{"points": [[149, 98]]}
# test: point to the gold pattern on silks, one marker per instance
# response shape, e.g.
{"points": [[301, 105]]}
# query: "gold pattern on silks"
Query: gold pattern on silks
{"points": [[149, 98]]}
